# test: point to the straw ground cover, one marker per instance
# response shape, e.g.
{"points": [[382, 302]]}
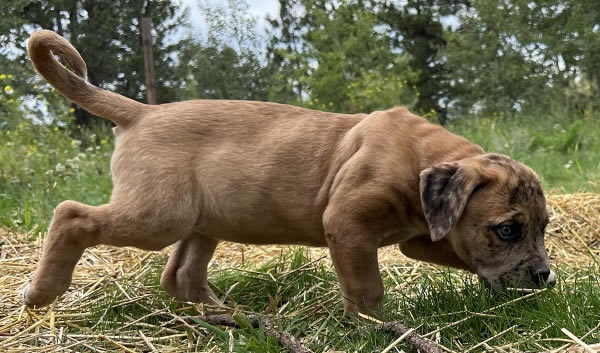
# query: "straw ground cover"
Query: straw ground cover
{"points": [[116, 302]]}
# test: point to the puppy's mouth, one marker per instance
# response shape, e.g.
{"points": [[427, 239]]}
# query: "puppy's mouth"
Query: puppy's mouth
{"points": [[487, 284], [506, 283]]}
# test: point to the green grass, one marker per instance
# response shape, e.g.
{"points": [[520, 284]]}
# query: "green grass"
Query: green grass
{"points": [[304, 297], [565, 152], [41, 165]]}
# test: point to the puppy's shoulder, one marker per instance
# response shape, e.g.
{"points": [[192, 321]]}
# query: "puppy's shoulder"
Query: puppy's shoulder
{"points": [[395, 119]]}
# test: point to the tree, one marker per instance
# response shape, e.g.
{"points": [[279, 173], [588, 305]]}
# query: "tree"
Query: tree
{"points": [[286, 58], [107, 33], [416, 29], [355, 69], [226, 64], [334, 57], [517, 54]]}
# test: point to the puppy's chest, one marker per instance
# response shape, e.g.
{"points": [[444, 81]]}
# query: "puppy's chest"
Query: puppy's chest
{"points": [[395, 235]]}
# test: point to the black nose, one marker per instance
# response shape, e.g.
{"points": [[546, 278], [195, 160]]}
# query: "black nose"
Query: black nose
{"points": [[540, 276]]}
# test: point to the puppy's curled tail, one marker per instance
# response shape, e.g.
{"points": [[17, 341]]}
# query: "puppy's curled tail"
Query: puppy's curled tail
{"points": [[42, 46]]}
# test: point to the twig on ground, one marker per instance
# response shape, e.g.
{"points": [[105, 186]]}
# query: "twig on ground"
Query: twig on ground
{"points": [[412, 338], [406, 333], [286, 339], [398, 340]]}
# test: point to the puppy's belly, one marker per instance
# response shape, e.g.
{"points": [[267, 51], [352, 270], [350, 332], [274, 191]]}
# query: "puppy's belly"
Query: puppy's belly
{"points": [[251, 233], [248, 207], [243, 222]]}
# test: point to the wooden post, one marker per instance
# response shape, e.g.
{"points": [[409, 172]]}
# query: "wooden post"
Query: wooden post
{"points": [[148, 60]]}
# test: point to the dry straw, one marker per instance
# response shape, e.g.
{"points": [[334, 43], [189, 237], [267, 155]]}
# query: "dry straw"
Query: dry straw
{"points": [[573, 240]]}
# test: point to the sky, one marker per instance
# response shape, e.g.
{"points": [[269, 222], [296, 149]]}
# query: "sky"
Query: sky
{"points": [[258, 8]]}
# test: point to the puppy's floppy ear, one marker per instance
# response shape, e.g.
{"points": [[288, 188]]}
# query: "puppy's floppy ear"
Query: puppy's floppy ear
{"points": [[445, 190]]}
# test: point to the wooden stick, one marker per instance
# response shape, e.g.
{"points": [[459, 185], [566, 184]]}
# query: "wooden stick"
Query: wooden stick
{"points": [[405, 332], [286, 339], [412, 338], [398, 340]]}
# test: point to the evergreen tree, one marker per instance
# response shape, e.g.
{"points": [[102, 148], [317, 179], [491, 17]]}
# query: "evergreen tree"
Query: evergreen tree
{"points": [[107, 34]]}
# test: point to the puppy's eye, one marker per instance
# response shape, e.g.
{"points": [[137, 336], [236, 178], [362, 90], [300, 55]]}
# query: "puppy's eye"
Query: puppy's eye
{"points": [[508, 231]]}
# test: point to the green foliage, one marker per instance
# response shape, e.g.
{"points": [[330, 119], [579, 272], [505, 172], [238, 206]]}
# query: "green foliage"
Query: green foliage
{"points": [[338, 59], [42, 165], [10, 111], [347, 56], [355, 71], [415, 27], [512, 55], [285, 55], [564, 152], [227, 63]]}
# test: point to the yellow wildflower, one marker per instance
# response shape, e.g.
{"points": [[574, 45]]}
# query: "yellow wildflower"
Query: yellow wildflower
{"points": [[35, 86], [9, 76], [71, 110], [2, 76], [8, 89]]}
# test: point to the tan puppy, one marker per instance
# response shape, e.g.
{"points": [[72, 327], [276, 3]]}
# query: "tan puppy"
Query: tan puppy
{"points": [[197, 172]]}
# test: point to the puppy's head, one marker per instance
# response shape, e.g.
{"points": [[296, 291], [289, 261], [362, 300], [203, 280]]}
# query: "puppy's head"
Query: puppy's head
{"points": [[492, 211]]}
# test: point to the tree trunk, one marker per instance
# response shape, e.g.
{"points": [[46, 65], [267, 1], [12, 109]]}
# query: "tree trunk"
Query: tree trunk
{"points": [[148, 60]]}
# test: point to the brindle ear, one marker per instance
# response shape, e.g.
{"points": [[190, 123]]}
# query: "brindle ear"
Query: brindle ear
{"points": [[445, 190]]}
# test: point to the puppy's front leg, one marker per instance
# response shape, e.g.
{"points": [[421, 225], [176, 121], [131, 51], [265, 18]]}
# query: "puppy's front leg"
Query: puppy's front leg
{"points": [[439, 252], [354, 256]]}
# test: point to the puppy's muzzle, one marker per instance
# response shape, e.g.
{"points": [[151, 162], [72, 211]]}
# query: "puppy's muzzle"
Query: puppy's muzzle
{"points": [[543, 277]]}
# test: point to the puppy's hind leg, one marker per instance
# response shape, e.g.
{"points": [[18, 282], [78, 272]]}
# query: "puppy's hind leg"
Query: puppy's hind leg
{"points": [[185, 275], [76, 226]]}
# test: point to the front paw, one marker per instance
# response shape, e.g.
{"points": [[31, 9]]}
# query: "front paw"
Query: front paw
{"points": [[31, 295], [202, 295]]}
